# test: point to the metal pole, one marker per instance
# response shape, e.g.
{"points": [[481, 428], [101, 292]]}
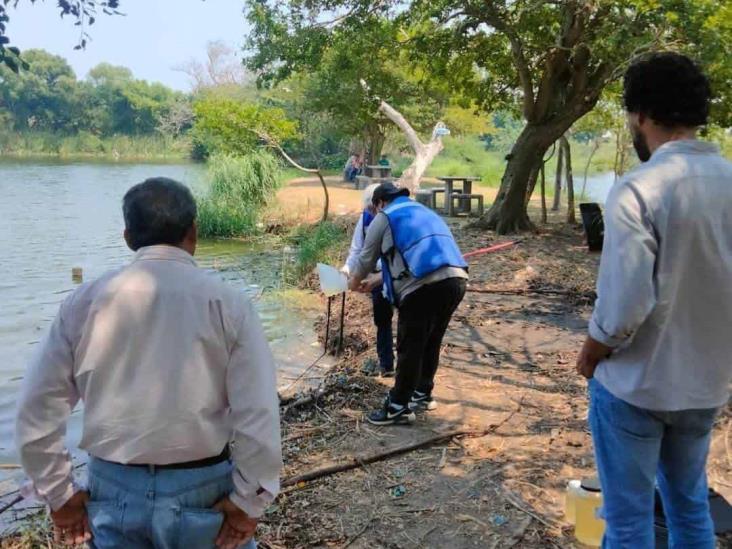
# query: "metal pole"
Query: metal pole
{"points": [[343, 320], [327, 324]]}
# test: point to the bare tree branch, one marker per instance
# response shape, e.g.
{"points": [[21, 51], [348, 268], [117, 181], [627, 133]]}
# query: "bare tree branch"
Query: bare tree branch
{"points": [[271, 142], [338, 19], [395, 116]]}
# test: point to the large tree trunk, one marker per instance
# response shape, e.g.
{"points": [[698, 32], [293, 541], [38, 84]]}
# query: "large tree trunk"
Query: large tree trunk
{"points": [[375, 139], [565, 86], [533, 178], [570, 180], [508, 213], [558, 180]]}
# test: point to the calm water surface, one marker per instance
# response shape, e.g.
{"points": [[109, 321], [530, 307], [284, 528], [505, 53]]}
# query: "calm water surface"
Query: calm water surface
{"points": [[57, 216]]}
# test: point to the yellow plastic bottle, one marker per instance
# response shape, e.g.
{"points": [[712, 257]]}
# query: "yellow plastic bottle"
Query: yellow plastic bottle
{"points": [[570, 500], [589, 528]]}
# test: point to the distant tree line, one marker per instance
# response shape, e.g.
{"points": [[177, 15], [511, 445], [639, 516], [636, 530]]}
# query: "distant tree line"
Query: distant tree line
{"points": [[48, 96]]}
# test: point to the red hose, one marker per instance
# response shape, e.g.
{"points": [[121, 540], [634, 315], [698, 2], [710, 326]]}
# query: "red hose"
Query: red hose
{"points": [[491, 249]]}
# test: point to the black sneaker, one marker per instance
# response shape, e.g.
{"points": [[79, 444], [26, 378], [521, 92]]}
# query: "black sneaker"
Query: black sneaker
{"points": [[392, 414], [387, 372], [422, 401]]}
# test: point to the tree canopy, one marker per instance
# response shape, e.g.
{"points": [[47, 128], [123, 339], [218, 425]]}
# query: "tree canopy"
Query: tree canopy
{"points": [[233, 127], [331, 60], [546, 60], [48, 96], [83, 13]]}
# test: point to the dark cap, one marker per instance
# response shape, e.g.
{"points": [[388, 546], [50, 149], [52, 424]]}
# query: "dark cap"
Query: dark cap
{"points": [[388, 191]]}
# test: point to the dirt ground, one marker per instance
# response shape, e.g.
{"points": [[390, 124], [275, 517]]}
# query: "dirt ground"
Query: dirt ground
{"points": [[302, 199], [507, 375]]}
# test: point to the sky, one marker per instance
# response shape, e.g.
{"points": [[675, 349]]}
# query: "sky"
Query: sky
{"points": [[153, 37]]}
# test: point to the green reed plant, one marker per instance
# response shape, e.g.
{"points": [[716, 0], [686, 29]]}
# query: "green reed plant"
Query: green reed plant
{"points": [[240, 188], [320, 243]]}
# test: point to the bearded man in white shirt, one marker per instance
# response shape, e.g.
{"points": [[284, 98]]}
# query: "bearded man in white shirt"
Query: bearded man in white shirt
{"points": [[181, 417], [658, 350]]}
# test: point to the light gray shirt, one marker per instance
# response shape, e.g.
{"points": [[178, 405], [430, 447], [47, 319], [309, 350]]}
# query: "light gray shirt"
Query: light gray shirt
{"points": [[171, 364], [665, 284], [355, 250], [379, 240]]}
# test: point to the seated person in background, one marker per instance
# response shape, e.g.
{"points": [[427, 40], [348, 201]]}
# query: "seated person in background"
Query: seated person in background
{"points": [[348, 168], [383, 312], [353, 168], [384, 161]]}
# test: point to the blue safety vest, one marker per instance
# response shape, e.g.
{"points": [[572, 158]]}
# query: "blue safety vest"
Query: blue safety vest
{"points": [[422, 239], [367, 218]]}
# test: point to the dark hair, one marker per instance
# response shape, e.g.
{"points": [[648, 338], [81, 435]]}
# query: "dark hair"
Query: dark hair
{"points": [[388, 192], [669, 88], [158, 211]]}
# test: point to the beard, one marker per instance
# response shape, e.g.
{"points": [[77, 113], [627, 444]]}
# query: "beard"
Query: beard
{"points": [[640, 144]]}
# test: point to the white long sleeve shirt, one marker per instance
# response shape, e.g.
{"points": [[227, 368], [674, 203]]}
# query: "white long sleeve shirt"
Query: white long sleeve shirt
{"points": [[170, 363], [356, 246], [665, 284]]}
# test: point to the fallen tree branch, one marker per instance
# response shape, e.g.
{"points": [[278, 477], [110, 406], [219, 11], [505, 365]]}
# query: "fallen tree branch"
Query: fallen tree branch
{"points": [[360, 461], [307, 399]]}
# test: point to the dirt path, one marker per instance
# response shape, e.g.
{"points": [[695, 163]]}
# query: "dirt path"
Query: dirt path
{"points": [[301, 200], [509, 362]]}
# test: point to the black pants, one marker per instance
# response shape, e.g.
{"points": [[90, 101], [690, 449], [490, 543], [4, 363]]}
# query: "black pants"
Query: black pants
{"points": [[423, 319], [383, 313]]}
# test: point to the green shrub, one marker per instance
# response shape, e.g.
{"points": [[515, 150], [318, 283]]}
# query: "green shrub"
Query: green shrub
{"points": [[321, 243], [240, 188]]}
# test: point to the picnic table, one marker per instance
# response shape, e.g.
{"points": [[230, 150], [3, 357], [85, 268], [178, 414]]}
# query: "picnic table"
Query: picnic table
{"points": [[466, 183], [378, 171]]}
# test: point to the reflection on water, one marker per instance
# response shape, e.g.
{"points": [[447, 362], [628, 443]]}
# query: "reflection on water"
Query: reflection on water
{"points": [[54, 217]]}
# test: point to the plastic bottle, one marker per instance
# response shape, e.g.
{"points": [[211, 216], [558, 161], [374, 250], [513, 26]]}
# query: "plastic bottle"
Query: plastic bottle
{"points": [[570, 500], [589, 528]]}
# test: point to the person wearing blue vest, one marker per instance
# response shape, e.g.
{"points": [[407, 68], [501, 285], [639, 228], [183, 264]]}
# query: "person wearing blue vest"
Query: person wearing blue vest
{"points": [[383, 310], [425, 277]]}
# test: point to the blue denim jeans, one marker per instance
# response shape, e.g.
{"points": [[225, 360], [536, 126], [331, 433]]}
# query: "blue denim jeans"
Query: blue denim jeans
{"points": [[134, 508], [383, 313], [637, 450]]}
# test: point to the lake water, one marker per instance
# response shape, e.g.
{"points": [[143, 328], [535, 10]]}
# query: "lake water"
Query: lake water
{"points": [[598, 186], [54, 217]]}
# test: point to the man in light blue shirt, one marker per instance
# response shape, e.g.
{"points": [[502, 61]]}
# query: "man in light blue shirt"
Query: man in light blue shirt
{"points": [[659, 350]]}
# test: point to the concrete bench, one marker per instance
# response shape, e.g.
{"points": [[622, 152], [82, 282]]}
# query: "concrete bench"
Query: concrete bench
{"points": [[361, 182], [434, 192], [465, 200]]}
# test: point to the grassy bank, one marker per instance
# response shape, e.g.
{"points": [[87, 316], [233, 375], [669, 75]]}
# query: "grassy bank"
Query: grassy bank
{"points": [[313, 244], [86, 145], [240, 188]]}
